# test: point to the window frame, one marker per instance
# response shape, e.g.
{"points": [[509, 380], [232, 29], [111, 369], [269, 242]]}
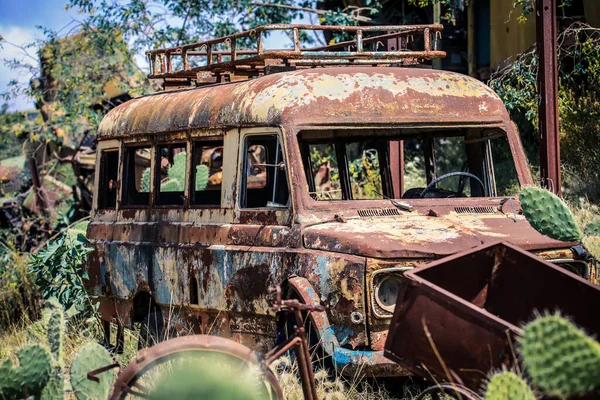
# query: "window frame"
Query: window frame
{"points": [[155, 175], [242, 181], [340, 148], [124, 173], [102, 191], [192, 174]]}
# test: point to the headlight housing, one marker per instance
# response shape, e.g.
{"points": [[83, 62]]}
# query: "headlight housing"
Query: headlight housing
{"points": [[385, 286], [386, 292]]}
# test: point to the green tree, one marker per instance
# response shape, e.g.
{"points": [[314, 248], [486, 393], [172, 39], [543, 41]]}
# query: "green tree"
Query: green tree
{"points": [[579, 105]]}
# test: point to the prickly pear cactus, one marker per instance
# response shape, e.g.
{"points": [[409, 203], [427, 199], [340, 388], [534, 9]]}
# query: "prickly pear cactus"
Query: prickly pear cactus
{"points": [[560, 358], [171, 185], [591, 238], [219, 382], [30, 377], [9, 381], [548, 214], [91, 357], [592, 245], [145, 182], [177, 169], [175, 175], [56, 331], [507, 385], [55, 388], [202, 173], [593, 228]]}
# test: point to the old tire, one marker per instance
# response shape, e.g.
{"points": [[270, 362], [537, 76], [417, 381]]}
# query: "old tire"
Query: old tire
{"points": [[146, 361]]}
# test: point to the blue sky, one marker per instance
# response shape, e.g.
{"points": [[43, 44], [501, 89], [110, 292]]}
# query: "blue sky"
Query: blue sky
{"points": [[18, 25], [18, 21]]}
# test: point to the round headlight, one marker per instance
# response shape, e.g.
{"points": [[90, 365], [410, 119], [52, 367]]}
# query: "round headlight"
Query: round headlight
{"points": [[386, 292]]}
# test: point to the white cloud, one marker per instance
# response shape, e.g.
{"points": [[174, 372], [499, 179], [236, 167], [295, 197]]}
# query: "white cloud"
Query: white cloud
{"points": [[16, 36]]}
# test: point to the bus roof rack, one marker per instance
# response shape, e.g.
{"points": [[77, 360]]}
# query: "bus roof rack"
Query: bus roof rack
{"points": [[219, 60]]}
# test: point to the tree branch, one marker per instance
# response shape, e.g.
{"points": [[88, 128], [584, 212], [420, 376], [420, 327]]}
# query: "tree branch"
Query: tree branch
{"points": [[355, 16]]}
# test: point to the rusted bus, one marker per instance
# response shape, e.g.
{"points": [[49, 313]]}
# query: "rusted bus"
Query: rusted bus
{"points": [[205, 259]]}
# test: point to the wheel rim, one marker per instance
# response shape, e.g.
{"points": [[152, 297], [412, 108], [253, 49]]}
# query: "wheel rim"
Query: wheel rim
{"points": [[150, 363]]}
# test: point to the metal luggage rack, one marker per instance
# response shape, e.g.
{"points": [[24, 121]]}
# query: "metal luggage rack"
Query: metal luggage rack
{"points": [[219, 60]]}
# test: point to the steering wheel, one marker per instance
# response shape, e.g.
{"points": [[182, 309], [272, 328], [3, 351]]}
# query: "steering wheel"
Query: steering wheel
{"points": [[451, 174]]}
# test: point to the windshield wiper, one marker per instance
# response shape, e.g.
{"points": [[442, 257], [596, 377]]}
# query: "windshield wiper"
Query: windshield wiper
{"points": [[398, 204]]}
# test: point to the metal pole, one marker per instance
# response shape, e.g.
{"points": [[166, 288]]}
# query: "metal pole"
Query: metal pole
{"points": [[546, 43], [471, 56], [437, 19]]}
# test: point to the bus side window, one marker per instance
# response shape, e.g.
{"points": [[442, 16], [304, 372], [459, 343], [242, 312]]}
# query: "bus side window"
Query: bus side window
{"points": [[170, 174], [136, 176], [207, 173], [109, 174], [265, 178]]}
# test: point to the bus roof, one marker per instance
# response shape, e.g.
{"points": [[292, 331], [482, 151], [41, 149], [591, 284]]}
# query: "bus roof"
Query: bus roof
{"points": [[349, 96]]}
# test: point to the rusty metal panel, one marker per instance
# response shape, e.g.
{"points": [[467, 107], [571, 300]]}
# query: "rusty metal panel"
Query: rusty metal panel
{"points": [[359, 95], [463, 313]]}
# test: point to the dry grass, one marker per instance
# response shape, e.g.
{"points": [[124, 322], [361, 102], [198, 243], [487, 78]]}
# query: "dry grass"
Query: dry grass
{"points": [[80, 332], [584, 211]]}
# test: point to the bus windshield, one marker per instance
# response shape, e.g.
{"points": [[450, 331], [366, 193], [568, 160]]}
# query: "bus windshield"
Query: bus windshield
{"points": [[343, 165]]}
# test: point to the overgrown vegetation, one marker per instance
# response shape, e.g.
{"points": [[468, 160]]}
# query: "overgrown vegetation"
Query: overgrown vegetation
{"points": [[579, 106], [19, 299], [41, 371], [560, 359], [58, 271]]}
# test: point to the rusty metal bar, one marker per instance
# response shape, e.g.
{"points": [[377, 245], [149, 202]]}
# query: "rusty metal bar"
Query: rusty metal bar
{"points": [[92, 374], [296, 40], [164, 68], [259, 42], [359, 41], [332, 28], [233, 49], [546, 41], [209, 54], [397, 167]]}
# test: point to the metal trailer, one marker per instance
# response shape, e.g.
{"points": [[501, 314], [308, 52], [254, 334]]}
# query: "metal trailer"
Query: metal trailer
{"points": [[459, 318]]}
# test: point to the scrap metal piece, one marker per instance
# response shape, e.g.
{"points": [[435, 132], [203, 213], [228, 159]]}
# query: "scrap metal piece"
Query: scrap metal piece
{"points": [[446, 325]]}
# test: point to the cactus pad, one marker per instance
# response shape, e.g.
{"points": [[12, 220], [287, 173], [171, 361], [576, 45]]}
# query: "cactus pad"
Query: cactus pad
{"points": [[56, 330], [90, 357], [145, 182], [560, 358], [29, 377], [507, 385], [592, 245], [202, 173], [219, 382], [593, 228], [171, 185], [177, 169], [548, 214], [55, 389], [9, 381]]}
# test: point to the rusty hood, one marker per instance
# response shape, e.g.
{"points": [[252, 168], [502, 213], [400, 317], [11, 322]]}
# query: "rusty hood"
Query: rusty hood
{"points": [[416, 236]]}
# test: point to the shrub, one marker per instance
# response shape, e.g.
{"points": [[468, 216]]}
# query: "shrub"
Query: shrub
{"points": [[58, 271]]}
